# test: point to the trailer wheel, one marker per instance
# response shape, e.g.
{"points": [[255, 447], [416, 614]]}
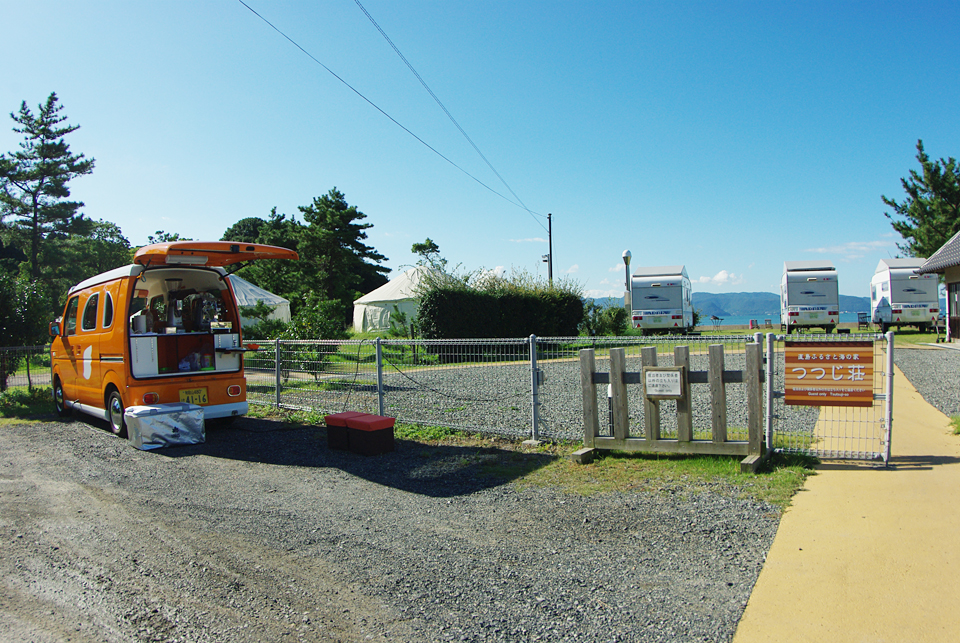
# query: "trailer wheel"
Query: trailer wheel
{"points": [[115, 413], [58, 399]]}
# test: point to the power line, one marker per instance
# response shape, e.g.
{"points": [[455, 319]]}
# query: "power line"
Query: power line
{"points": [[374, 105], [443, 107]]}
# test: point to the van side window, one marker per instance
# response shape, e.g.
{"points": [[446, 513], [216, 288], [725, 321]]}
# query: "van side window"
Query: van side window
{"points": [[70, 317], [90, 313], [107, 310]]}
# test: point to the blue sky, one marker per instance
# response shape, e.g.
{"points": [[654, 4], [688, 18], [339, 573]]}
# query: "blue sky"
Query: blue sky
{"points": [[726, 136]]}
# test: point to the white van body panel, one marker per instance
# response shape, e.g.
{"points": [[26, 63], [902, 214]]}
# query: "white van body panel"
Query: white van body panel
{"points": [[662, 299], [901, 297], [809, 295]]}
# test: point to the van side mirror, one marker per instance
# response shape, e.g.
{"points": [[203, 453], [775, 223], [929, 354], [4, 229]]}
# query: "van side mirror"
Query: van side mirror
{"points": [[54, 329]]}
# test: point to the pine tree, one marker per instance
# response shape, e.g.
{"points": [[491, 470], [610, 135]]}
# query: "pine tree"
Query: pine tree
{"points": [[33, 180]]}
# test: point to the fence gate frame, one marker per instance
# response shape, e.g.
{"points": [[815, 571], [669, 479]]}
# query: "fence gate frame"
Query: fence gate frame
{"points": [[885, 398], [751, 376]]}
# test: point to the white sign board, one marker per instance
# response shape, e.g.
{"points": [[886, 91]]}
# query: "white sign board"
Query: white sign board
{"points": [[663, 382]]}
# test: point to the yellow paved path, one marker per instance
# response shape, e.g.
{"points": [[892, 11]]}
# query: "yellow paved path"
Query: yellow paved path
{"points": [[866, 554]]}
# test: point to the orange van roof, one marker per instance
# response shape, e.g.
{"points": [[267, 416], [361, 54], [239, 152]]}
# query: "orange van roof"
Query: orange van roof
{"points": [[208, 253]]}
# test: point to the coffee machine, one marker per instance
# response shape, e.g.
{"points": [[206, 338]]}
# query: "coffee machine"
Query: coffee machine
{"points": [[175, 298]]}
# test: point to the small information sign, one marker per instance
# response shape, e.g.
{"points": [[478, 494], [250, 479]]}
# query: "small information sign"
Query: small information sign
{"points": [[663, 382], [829, 373]]}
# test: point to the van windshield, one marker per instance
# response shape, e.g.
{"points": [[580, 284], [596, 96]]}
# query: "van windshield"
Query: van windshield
{"points": [[655, 298]]}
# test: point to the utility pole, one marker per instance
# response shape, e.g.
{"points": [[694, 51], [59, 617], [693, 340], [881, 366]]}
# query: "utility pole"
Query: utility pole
{"points": [[548, 258]]}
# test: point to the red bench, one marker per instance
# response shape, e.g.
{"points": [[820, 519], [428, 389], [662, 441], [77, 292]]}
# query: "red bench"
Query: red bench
{"points": [[360, 433]]}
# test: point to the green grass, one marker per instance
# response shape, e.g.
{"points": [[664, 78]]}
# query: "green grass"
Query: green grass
{"points": [[955, 424], [22, 403]]}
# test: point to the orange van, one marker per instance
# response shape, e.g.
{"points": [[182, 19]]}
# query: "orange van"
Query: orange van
{"points": [[164, 329]]}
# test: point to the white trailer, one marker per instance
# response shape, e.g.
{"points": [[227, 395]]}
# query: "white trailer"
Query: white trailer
{"points": [[662, 300], [901, 297], [809, 296]]}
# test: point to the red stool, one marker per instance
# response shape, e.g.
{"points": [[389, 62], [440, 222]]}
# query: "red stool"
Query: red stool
{"points": [[337, 437], [370, 434]]}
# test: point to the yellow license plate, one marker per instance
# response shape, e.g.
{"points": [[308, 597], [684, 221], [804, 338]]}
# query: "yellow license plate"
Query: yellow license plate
{"points": [[194, 395]]}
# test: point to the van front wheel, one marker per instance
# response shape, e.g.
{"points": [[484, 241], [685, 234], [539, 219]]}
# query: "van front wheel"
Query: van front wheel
{"points": [[115, 413], [58, 399]]}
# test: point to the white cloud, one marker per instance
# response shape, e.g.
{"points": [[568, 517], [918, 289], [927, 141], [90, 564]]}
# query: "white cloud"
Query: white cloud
{"points": [[575, 268], [723, 278], [617, 268], [853, 249], [530, 240], [605, 282]]}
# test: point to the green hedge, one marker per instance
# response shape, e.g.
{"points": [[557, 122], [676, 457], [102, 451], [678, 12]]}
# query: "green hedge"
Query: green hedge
{"points": [[468, 314]]}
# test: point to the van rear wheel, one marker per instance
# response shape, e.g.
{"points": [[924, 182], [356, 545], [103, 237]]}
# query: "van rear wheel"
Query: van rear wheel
{"points": [[115, 413]]}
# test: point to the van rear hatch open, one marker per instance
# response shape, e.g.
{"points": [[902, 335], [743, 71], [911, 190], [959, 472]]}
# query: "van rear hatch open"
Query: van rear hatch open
{"points": [[208, 253]]}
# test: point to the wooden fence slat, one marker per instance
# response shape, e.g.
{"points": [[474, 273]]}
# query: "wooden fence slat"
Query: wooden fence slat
{"points": [[651, 408], [618, 389], [591, 423], [718, 394], [681, 357], [751, 374]]}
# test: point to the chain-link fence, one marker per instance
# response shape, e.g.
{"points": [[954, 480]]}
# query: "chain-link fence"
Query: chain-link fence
{"points": [[486, 386], [24, 367]]}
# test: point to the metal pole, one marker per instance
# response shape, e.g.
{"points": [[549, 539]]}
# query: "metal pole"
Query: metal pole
{"points": [[768, 421], [379, 378], [276, 368], [550, 247], [889, 396], [534, 391]]}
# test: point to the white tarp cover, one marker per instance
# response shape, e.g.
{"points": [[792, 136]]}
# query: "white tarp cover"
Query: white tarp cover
{"points": [[371, 313], [248, 295], [164, 425]]}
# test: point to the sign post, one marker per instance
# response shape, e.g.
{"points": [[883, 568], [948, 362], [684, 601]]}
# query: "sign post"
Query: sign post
{"points": [[829, 373]]}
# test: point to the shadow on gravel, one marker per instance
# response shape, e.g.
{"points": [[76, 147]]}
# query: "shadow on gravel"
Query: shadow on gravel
{"points": [[437, 471]]}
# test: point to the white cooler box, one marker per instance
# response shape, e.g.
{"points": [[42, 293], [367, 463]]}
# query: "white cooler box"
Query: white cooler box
{"points": [[164, 425]]}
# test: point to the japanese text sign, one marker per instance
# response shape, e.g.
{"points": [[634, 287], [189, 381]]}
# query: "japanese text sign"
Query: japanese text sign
{"points": [[829, 373], [663, 382]]}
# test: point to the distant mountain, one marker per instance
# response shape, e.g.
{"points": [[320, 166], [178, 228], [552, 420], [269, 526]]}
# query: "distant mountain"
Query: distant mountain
{"points": [[732, 304]]}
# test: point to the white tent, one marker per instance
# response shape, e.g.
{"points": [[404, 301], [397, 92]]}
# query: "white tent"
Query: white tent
{"points": [[248, 295], [372, 311]]}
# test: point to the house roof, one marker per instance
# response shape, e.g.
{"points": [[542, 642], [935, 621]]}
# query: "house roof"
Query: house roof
{"points": [[947, 256]]}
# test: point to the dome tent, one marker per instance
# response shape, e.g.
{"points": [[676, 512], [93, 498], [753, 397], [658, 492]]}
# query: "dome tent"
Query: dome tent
{"points": [[371, 313], [248, 294]]}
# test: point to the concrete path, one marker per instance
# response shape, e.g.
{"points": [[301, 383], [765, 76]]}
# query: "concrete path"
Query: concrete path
{"points": [[867, 554]]}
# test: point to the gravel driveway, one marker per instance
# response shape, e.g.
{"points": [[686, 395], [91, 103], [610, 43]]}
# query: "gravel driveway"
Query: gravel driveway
{"points": [[262, 534]]}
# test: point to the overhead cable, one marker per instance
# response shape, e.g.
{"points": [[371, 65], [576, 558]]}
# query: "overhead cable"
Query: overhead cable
{"points": [[374, 105]]}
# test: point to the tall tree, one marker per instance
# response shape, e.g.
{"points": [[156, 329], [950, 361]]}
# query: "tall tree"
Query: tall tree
{"points": [[930, 214], [244, 230], [337, 263], [69, 260], [33, 180]]}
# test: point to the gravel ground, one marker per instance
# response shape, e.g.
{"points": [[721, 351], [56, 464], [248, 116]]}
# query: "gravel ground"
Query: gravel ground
{"points": [[933, 373], [263, 534]]}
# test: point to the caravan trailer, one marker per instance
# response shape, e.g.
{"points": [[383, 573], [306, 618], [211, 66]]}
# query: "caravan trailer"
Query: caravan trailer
{"points": [[901, 297], [662, 300], [809, 296]]}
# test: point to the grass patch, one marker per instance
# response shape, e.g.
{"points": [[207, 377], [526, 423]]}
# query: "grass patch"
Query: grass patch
{"points": [[622, 472], [955, 424], [23, 403]]}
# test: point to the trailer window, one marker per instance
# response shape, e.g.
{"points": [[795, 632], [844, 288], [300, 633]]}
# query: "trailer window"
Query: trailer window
{"points": [[90, 313]]}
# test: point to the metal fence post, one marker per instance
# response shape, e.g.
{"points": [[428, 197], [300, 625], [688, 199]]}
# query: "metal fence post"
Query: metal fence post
{"points": [[379, 378], [534, 391], [889, 396], [768, 419], [277, 369]]}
